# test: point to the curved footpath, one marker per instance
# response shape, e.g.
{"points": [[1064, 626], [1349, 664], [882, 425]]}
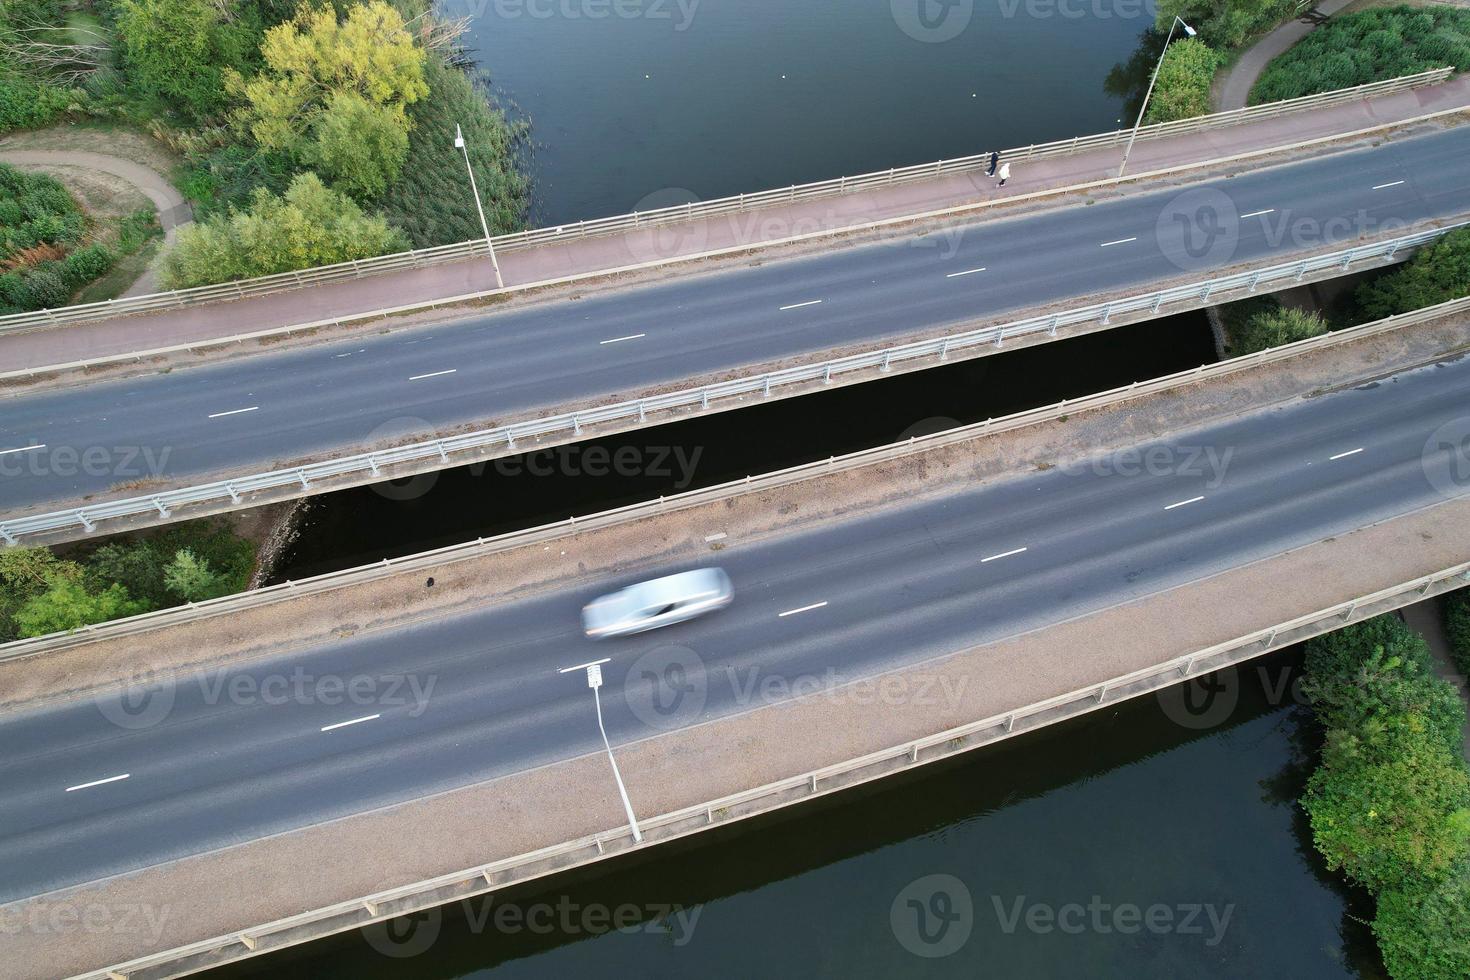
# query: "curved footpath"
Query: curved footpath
{"points": [[173, 210], [1235, 91]]}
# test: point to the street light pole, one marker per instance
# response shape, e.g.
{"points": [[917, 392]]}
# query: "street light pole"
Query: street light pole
{"points": [[594, 681], [1177, 22], [459, 142]]}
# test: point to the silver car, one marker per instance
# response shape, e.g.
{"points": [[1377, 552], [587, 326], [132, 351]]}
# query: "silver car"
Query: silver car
{"points": [[657, 602]]}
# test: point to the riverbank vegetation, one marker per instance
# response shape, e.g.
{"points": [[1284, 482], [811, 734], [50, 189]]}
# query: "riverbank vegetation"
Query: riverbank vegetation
{"points": [[1437, 273], [1260, 323], [344, 112], [1389, 803], [1189, 66], [1368, 46], [50, 249], [41, 593]]}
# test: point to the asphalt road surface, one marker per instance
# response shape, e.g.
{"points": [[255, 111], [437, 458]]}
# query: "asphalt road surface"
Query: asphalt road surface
{"points": [[97, 787], [259, 412]]}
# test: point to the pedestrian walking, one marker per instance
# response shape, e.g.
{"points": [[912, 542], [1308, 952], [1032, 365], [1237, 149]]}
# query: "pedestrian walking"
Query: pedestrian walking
{"points": [[994, 159], [1005, 174]]}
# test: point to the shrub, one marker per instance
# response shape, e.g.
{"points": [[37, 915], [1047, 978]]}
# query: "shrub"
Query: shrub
{"points": [[67, 604], [308, 226], [46, 290], [1436, 274], [38, 210], [1183, 87], [177, 50], [24, 574], [1386, 691], [1391, 810], [1226, 25], [1424, 932], [85, 264], [28, 104], [1273, 328], [1344, 653], [1368, 46], [191, 578], [137, 566]]}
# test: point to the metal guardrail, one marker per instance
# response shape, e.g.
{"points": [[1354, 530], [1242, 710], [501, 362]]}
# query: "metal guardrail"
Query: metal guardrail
{"points": [[492, 875], [372, 464], [439, 557], [559, 234]]}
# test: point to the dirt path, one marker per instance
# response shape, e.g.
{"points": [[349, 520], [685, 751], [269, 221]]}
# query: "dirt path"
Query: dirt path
{"points": [[173, 210], [1233, 92], [1427, 619]]}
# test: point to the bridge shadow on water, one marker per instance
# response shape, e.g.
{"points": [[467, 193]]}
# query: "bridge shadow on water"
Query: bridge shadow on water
{"points": [[1182, 800], [366, 524]]}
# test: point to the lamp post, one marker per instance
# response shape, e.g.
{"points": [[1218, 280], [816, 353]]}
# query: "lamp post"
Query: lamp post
{"points": [[594, 681], [1177, 22], [459, 142]]}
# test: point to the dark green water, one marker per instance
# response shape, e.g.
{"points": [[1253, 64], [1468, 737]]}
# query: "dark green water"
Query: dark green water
{"points": [[1152, 806], [631, 98]]}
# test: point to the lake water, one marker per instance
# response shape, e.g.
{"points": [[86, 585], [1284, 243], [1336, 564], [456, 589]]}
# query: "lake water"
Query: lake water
{"points": [[632, 98]]}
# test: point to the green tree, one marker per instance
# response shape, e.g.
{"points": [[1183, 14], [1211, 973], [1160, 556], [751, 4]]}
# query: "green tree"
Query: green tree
{"points": [[67, 604], [24, 574], [1185, 76], [1436, 274], [309, 225], [190, 578], [135, 565], [1385, 691], [358, 145], [1392, 810], [296, 102], [178, 50], [1344, 653], [1273, 328], [1424, 932]]}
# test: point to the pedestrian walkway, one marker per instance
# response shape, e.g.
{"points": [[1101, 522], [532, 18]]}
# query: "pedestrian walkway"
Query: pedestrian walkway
{"points": [[731, 231], [1235, 91]]}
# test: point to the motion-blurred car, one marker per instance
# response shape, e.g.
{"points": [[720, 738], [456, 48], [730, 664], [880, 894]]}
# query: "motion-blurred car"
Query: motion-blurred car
{"points": [[657, 602]]}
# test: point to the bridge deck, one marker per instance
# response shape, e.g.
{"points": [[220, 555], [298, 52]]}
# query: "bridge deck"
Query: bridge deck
{"points": [[1232, 588], [739, 230]]}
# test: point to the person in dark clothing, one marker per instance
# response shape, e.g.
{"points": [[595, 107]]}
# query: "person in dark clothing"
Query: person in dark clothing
{"points": [[994, 159]]}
